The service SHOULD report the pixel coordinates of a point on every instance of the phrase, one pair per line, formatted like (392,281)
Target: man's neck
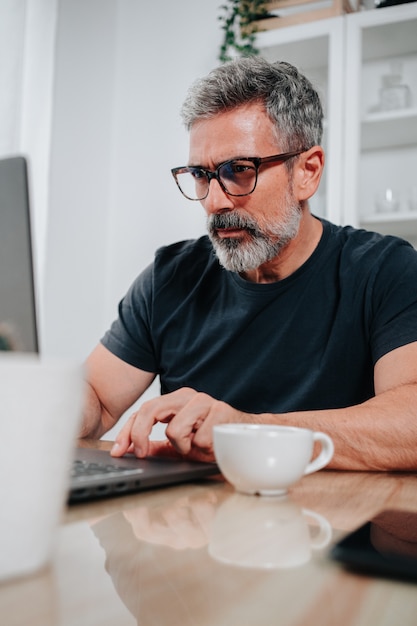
(293,256)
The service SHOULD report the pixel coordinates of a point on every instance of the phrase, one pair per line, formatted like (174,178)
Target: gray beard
(263,245)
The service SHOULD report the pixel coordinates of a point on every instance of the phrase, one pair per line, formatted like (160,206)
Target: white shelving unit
(315,49)
(368,150)
(380,146)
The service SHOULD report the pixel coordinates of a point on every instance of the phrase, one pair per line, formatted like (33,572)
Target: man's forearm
(380,434)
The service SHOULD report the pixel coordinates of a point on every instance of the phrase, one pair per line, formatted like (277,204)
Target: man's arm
(379,434)
(112,387)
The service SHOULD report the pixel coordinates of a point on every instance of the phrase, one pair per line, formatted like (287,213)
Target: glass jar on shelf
(394,93)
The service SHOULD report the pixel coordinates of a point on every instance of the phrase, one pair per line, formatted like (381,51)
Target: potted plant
(238,21)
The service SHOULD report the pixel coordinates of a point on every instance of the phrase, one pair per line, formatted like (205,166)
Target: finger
(167,450)
(219,413)
(181,430)
(161,409)
(192,427)
(134,436)
(202,440)
(163,448)
(123,442)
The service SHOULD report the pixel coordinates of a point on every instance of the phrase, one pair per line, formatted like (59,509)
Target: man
(275,317)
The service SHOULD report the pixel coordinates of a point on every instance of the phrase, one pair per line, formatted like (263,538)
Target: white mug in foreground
(40,411)
(268,459)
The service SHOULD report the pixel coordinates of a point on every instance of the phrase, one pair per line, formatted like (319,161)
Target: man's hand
(190,417)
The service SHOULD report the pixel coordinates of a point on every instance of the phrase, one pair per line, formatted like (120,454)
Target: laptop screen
(18,329)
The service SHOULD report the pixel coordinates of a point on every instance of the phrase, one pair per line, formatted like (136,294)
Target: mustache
(233,219)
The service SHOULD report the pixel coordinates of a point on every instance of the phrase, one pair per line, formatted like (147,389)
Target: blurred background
(91,92)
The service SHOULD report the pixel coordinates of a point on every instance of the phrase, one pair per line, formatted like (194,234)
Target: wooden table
(200,554)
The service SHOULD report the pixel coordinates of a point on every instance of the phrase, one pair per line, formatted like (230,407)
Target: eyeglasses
(237,177)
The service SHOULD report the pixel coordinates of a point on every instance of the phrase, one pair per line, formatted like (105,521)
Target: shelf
(403,224)
(386,129)
(298,52)
(366,149)
(294,12)
(390,39)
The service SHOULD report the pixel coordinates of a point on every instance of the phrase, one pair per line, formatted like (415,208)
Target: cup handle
(325,456)
(325,530)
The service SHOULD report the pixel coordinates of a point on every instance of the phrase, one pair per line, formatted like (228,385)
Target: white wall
(122,68)
(27,41)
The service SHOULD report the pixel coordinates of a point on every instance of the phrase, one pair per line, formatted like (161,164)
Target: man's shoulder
(185,249)
(185,261)
(359,244)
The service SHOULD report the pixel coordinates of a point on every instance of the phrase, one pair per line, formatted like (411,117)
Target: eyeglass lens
(237,177)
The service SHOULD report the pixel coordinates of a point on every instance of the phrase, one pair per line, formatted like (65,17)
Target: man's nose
(217,199)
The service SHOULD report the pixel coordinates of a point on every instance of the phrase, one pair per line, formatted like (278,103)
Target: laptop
(18,329)
(94,473)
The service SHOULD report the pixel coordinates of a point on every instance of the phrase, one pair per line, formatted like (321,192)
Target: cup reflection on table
(266,533)
(185,550)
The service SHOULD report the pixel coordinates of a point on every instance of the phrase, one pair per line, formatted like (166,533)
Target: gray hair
(287,95)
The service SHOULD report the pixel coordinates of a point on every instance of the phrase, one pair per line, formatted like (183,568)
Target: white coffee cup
(266,459)
(266,533)
(40,411)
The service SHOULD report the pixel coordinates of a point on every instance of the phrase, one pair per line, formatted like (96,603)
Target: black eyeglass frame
(257,161)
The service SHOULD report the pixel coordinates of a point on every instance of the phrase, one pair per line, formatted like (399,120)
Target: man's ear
(307,172)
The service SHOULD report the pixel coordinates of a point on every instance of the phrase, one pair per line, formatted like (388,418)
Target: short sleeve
(129,336)
(394,300)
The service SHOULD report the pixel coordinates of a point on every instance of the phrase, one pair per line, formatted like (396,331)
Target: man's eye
(239,166)
(237,170)
(197,174)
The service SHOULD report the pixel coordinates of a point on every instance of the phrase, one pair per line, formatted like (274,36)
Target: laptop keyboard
(84,469)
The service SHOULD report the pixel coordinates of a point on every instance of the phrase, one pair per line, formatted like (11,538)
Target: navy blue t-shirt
(307,342)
